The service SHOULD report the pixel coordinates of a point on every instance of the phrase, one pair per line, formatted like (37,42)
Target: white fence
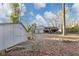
(11,34)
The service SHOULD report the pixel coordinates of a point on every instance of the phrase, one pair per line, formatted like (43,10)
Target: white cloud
(23,9)
(51,18)
(40,21)
(31,13)
(48,19)
(49,15)
(5,11)
(39,5)
(68,15)
(75,7)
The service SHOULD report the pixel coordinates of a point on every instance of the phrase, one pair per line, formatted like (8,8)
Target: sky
(41,13)
(35,11)
(44,13)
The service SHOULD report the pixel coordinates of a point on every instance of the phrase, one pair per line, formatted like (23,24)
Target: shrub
(73,29)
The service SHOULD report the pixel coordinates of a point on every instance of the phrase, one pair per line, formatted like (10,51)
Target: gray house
(11,34)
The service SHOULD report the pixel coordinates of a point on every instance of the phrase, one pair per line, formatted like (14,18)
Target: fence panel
(11,34)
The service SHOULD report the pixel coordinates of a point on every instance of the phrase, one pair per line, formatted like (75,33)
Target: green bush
(15,18)
(74,29)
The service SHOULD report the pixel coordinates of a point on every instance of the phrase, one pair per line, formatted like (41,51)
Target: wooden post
(64,22)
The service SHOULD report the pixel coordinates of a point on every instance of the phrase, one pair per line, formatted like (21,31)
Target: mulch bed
(50,48)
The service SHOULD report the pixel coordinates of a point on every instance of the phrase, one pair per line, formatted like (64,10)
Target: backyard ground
(52,46)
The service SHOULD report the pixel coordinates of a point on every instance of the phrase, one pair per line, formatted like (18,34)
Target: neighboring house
(11,34)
